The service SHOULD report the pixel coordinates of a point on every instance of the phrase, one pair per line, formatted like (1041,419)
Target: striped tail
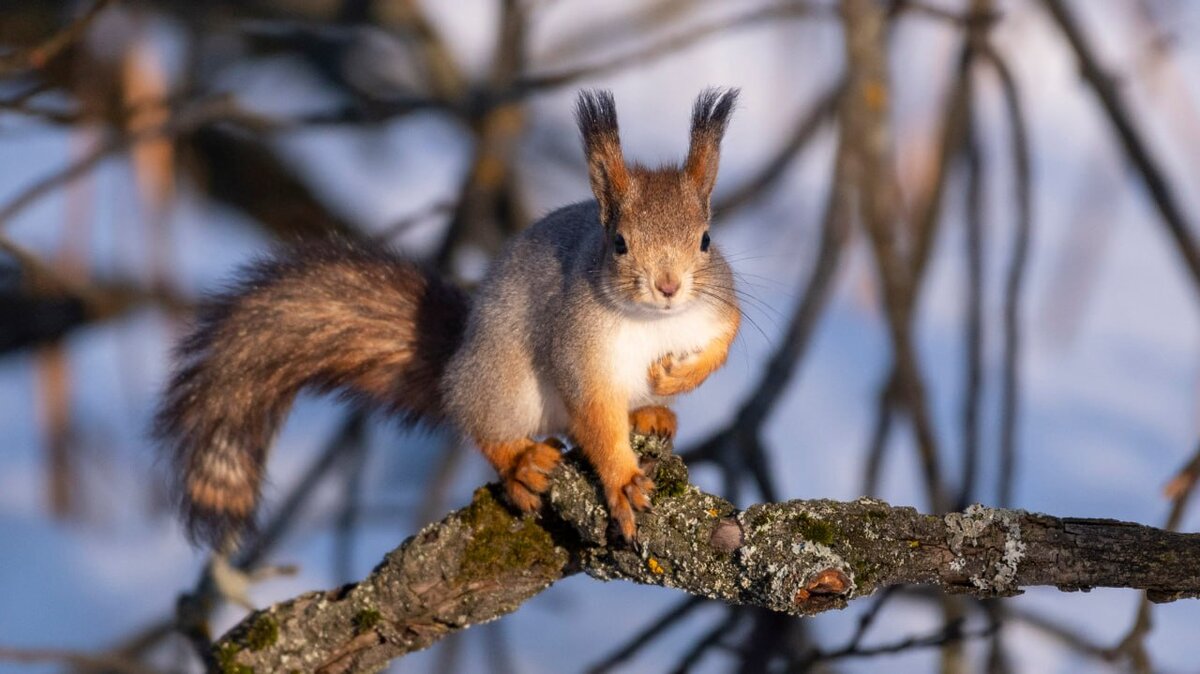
(334,316)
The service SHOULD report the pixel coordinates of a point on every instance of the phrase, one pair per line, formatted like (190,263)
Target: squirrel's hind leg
(524,467)
(601,426)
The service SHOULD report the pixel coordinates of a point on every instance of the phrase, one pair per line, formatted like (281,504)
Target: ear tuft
(596,114)
(710,117)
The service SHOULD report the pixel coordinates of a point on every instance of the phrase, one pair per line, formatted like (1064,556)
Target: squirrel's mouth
(657,306)
(675,303)
(670,305)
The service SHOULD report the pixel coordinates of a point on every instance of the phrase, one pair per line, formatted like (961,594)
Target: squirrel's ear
(710,116)
(596,114)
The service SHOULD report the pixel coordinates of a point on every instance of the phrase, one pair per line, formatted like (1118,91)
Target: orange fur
(601,427)
(653,420)
(524,467)
(209,495)
(700,163)
(673,374)
(613,164)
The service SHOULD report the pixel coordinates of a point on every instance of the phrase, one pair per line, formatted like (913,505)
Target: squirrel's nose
(667,284)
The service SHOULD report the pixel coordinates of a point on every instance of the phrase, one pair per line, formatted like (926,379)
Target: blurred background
(1011,318)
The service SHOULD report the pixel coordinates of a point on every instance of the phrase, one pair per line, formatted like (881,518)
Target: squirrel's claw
(653,420)
(529,475)
(622,502)
(673,374)
(637,492)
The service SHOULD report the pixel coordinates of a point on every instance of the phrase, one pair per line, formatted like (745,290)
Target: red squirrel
(587,325)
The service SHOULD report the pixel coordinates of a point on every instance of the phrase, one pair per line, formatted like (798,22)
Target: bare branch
(1015,275)
(772,170)
(796,557)
(186,119)
(741,438)
(865,122)
(43,53)
(646,636)
(83,662)
(1133,645)
(1131,140)
(794,9)
(972,402)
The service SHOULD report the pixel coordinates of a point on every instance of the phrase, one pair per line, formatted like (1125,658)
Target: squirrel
(587,325)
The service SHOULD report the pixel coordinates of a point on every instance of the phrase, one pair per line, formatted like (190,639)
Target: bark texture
(796,557)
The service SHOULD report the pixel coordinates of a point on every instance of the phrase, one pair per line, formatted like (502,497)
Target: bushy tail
(333,316)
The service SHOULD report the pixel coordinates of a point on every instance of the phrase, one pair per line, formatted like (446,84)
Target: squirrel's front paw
(529,475)
(633,494)
(673,374)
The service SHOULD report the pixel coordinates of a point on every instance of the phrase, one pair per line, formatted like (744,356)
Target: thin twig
(38,56)
(443,73)
(285,515)
(645,637)
(189,118)
(975,18)
(767,638)
(599,32)
(928,212)
(793,9)
(1134,145)
(881,433)
(1015,275)
(867,619)
(950,634)
(740,438)
(1076,641)
(1133,644)
(707,641)
(973,324)
(773,169)
(402,225)
(87,662)
(451,456)
(347,520)
(488,192)
(865,123)
(1185,480)
(134,647)
(927,218)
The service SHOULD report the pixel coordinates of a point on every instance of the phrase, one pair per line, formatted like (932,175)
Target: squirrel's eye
(619,245)
(705,242)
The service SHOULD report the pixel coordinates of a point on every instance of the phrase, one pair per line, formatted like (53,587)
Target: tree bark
(796,557)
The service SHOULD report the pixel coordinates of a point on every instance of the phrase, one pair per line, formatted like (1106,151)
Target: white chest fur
(639,342)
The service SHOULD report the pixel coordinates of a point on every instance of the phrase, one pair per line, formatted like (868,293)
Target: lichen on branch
(798,557)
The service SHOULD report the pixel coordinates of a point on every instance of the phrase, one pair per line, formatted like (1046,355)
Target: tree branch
(771,14)
(796,557)
(41,54)
(1136,148)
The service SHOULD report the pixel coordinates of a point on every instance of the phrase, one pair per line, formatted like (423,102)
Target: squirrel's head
(658,251)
